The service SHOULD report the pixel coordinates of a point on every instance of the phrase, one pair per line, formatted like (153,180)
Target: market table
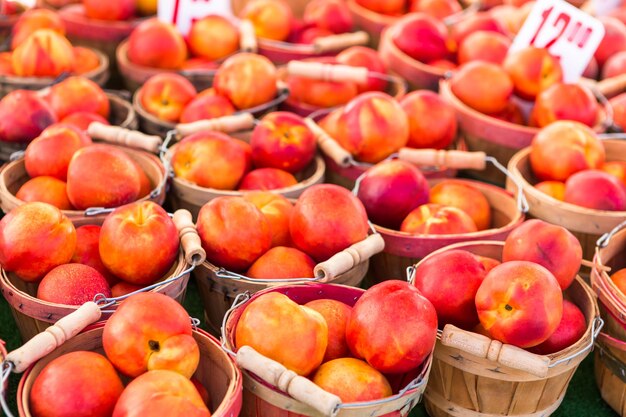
(582,399)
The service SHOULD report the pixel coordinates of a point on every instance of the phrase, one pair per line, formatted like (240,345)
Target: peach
(206,107)
(271,18)
(201,390)
(199,64)
(432,121)
(372,127)
(213,37)
(124,288)
(157,44)
(520,303)
(332,15)
(264,179)
(593,69)
(596,190)
(385,7)
(614,39)
(571,328)
(512,114)
(6,63)
(327,219)
(82,120)
(146,7)
(211,159)
(437,219)
(555,189)
(87,251)
(325,94)
(46,190)
(248,80)
(45,53)
(507,16)
(34,239)
(50,153)
(450,280)
(464,196)
(277,210)
(618,103)
(67,386)
(282,140)
(85,60)
(165,95)
(72,284)
(150,331)
(32,20)
(27,124)
(160,392)
(487,262)
(565,102)
(444,64)
(373,332)
(619,279)
(275,326)
(145,185)
(482,86)
(282,262)
(352,380)
(481,21)
(336,315)
(532,70)
(310,34)
(484,46)
(138,242)
(439,9)
(617,169)
(78,94)
(102,176)
(234,233)
(110,9)
(576,145)
(548,245)
(362,56)
(390,190)
(614,65)
(422,37)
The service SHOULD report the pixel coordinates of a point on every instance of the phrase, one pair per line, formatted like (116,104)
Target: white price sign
(565,31)
(182,13)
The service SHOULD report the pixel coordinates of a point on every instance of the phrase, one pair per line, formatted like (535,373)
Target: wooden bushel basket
(121,114)
(586,224)
(497,137)
(10,83)
(465,381)
(404,249)
(33,315)
(262,397)
(610,357)
(219,288)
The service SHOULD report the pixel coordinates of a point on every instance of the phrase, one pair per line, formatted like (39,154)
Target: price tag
(604,7)
(182,13)
(565,31)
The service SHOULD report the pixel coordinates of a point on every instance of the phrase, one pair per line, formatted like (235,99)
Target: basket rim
(75,14)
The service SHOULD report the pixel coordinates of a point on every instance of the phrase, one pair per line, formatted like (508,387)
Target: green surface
(582,398)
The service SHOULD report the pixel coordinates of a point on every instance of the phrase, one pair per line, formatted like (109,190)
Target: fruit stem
(154,345)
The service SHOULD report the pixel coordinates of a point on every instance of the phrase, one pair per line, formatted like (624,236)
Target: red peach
(332,15)
(157,44)
(618,103)
(6,63)
(277,210)
(336,315)
(265,179)
(124,288)
(437,219)
(482,86)
(484,46)
(571,329)
(596,190)
(617,169)
(512,114)
(72,284)
(439,9)
(206,107)
(487,262)
(82,120)
(422,37)
(615,65)
(614,39)
(481,21)
(325,94)
(87,251)
(32,20)
(27,124)
(593,69)
(282,262)
(385,7)
(352,380)
(165,95)
(310,34)
(110,9)
(532,70)
(271,18)
(464,196)
(565,102)
(85,60)
(213,37)
(45,190)
(362,56)
(78,94)
(200,64)
(432,121)
(555,189)
(45,53)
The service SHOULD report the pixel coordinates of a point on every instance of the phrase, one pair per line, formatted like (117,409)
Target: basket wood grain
(462,384)
(586,224)
(216,371)
(8,83)
(403,249)
(13,175)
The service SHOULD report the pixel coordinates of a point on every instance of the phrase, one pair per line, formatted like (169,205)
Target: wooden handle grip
(247,37)
(126,137)
(450,159)
(484,347)
(340,42)
(612,86)
(349,257)
(328,145)
(298,387)
(54,336)
(189,238)
(327,72)
(225,124)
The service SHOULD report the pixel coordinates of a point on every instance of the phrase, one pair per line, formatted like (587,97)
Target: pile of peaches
(281,147)
(264,235)
(518,301)
(351,351)
(39,48)
(136,245)
(396,195)
(148,365)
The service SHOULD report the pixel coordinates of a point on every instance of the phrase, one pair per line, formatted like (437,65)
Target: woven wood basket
(517,382)
(262,398)
(586,224)
(610,357)
(216,371)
